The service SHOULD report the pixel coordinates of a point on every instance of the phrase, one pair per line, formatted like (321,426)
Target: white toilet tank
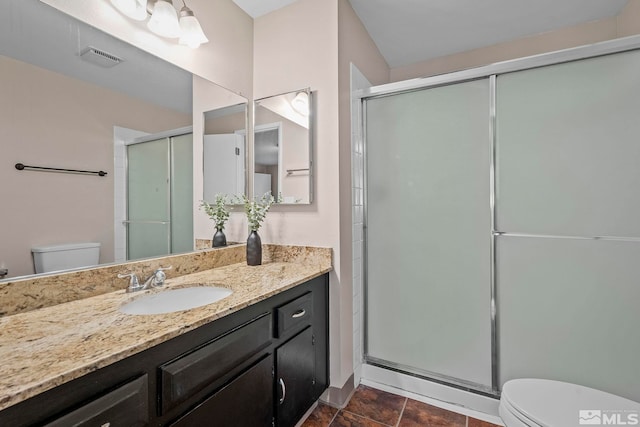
(64,257)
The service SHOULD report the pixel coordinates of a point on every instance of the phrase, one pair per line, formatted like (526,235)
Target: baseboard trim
(338,397)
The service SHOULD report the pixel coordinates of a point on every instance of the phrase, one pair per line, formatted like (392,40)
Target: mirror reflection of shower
(159,195)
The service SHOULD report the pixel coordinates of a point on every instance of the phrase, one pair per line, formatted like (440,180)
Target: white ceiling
(255,8)
(410,31)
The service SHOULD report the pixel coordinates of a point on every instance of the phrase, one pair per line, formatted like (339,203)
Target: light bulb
(191,31)
(301,103)
(164,20)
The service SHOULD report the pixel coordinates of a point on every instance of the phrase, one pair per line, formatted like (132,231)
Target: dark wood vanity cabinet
(264,365)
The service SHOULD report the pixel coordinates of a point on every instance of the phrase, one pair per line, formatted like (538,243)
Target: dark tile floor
(370,407)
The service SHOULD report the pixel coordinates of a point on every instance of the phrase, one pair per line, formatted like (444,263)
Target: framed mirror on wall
(283,147)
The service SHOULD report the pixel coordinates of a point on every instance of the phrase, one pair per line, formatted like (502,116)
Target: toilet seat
(546,403)
(514,418)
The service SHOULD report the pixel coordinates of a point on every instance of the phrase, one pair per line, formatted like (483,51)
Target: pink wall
(628,20)
(354,46)
(295,155)
(47,119)
(625,24)
(227,124)
(297,47)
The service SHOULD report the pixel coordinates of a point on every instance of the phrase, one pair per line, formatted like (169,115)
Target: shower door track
(432,376)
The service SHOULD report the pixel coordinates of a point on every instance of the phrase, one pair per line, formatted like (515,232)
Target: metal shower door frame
(491,72)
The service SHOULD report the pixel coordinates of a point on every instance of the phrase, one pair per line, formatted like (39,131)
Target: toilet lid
(553,403)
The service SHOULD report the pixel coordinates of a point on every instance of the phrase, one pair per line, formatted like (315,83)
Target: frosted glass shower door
(148,210)
(428,236)
(568,311)
(568,210)
(568,149)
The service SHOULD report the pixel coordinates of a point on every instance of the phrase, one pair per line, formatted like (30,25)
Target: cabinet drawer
(213,363)
(295,315)
(127,405)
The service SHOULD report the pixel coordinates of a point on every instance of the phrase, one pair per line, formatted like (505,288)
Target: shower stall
(502,222)
(159,195)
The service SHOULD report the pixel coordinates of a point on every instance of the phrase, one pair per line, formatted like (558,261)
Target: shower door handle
(127,222)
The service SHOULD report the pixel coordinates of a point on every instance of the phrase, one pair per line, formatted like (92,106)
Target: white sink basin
(173,300)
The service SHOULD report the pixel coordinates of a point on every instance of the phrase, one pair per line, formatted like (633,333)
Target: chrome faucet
(155,280)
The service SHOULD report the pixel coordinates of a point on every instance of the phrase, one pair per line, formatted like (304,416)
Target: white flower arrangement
(218,212)
(256,210)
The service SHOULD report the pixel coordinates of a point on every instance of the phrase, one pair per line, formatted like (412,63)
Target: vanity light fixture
(164,19)
(191,33)
(300,103)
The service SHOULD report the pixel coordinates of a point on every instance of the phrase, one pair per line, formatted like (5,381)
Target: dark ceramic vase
(219,239)
(254,249)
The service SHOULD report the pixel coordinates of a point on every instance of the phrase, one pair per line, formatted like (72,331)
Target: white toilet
(546,403)
(63,257)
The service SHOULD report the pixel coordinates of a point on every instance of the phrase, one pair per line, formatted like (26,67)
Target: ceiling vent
(99,57)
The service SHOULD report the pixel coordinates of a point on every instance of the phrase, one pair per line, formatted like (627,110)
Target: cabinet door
(295,368)
(245,401)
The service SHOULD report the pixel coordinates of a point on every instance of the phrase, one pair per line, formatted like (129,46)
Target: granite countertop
(44,348)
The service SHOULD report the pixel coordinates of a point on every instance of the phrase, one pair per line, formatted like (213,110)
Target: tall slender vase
(254,249)
(219,239)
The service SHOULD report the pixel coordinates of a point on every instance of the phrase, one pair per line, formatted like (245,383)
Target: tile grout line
(367,418)
(406,399)
(334,417)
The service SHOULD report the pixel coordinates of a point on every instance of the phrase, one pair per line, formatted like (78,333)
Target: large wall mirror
(283,164)
(74,97)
